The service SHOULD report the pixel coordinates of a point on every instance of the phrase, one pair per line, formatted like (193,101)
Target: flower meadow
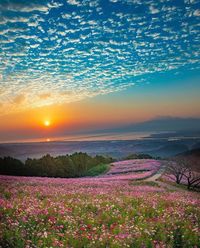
(104,211)
(133,166)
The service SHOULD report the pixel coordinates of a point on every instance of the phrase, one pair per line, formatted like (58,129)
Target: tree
(183,170)
(191,174)
(175,170)
(138,156)
(11,166)
(193,179)
(74,165)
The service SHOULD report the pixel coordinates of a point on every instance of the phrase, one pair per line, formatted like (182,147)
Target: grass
(97,170)
(179,186)
(145,183)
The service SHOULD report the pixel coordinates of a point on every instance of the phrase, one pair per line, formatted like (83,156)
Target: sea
(116,145)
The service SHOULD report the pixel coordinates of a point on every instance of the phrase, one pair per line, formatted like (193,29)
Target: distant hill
(168,124)
(169,150)
(193,152)
(196,146)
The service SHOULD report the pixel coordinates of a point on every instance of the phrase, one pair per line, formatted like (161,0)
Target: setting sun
(47,123)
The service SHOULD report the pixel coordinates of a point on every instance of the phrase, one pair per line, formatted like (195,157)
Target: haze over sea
(118,145)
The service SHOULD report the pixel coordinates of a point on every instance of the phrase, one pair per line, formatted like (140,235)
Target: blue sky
(55,52)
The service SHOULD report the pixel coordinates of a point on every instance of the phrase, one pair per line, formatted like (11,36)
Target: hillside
(193,152)
(168,150)
(193,157)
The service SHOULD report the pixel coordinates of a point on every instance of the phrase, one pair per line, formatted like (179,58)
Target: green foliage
(7,195)
(97,170)
(74,165)
(145,183)
(11,166)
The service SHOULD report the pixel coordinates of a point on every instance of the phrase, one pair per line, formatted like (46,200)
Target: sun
(47,123)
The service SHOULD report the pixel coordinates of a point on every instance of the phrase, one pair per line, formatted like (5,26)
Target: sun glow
(47,123)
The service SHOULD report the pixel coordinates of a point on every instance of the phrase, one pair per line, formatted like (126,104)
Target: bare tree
(175,170)
(193,179)
(191,175)
(184,170)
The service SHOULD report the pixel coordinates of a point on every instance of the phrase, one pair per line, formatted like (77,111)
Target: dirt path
(158,174)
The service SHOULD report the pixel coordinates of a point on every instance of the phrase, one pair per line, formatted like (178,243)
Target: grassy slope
(98,170)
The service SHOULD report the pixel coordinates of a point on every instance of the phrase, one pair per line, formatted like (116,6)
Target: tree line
(138,156)
(74,165)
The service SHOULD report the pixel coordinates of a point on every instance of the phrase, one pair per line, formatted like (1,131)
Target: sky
(94,64)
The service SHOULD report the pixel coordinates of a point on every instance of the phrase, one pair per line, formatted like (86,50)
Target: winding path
(155,177)
(158,174)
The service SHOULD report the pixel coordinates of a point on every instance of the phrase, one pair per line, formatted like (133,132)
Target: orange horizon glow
(56,121)
(89,114)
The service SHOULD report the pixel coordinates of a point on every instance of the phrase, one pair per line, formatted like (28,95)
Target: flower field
(105,211)
(134,166)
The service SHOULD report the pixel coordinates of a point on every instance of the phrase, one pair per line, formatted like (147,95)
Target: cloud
(2,91)
(66,16)
(14,19)
(44,95)
(196,12)
(28,7)
(54,5)
(23,8)
(19,99)
(153,10)
(74,2)
(66,93)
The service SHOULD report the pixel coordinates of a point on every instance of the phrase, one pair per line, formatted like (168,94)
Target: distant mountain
(168,124)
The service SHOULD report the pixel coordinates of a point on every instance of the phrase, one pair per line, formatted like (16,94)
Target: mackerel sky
(62,51)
